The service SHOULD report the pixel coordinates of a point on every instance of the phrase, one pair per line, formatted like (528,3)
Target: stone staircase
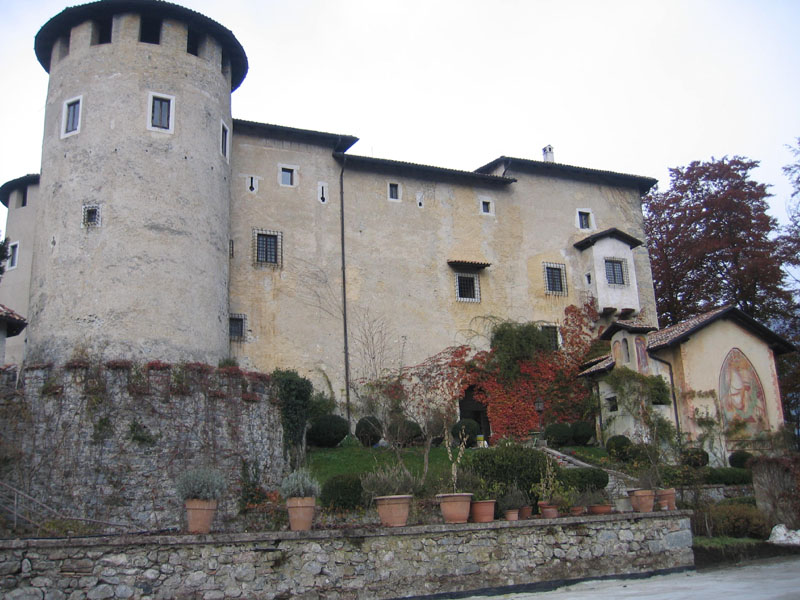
(618,482)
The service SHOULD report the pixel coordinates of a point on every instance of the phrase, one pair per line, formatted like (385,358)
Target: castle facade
(162,227)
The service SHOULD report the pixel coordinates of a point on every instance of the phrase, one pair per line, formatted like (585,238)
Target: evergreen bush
(327,431)
(558,434)
(468,429)
(694,457)
(403,432)
(507,463)
(739,520)
(342,492)
(581,432)
(738,459)
(618,447)
(585,479)
(727,476)
(369,431)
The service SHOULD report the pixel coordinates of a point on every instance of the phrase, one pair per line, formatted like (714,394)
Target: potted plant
(546,490)
(455,504)
(484,500)
(643,497)
(391,488)
(200,489)
(300,490)
(596,502)
(510,503)
(666,498)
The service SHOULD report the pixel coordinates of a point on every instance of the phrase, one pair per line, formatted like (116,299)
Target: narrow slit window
(193,42)
(394,191)
(150,30)
(252,184)
(223,143)
(13,256)
(230,248)
(72,117)
(23,198)
(322,192)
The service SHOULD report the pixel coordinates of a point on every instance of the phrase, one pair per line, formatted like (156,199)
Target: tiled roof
(612,233)
(10,186)
(424,171)
(598,365)
(339,142)
(14,323)
(632,325)
(470,264)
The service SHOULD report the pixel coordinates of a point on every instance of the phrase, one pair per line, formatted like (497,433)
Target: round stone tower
(131,243)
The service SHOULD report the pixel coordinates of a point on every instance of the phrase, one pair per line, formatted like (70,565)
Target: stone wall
(346,564)
(107,442)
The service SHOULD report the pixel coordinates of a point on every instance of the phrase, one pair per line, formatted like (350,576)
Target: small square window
(287,176)
(71,117)
(552,336)
(223,140)
(13,256)
(468,287)
(584,220)
(612,404)
(555,279)
(91,216)
(267,248)
(616,271)
(486,207)
(394,191)
(236,327)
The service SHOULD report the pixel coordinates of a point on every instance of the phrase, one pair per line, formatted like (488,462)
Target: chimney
(547,154)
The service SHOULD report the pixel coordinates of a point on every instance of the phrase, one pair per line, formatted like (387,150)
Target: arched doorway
(469,408)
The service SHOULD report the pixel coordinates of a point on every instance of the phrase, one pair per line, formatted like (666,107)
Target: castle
(162,227)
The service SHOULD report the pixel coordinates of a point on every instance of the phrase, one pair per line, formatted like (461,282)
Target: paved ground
(772,579)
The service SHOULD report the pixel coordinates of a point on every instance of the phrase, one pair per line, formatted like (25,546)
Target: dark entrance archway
(469,408)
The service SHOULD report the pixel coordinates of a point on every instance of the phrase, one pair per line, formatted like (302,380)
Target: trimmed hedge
(581,432)
(327,431)
(586,479)
(343,492)
(403,432)
(508,463)
(739,520)
(727,475)
(694,457)
(467,427)
(558,434)
(738,459)
(618,447)
(369,431)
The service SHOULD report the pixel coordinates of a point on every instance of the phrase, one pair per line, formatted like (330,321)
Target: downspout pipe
(672,387)
(344,295)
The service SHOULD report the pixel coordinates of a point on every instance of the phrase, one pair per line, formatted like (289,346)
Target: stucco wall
(348,564)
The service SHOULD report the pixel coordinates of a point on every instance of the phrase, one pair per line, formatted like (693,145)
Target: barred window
(616,271)
(468,287)
(267,248)
(555,279)
(91,215)
(236,327)
(552,335)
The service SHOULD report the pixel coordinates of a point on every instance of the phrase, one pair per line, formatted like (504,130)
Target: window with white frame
(91,215)
(555,278)
(485,206)
(161,113)
(267,248)
(616,271)
(237,327)
(287,175)
(394,191)
(584,219)
(71,117)
(468,288)
(13,256)
(223,140)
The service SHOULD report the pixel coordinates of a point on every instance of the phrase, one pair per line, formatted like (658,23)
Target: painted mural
(641,354)
(741,394)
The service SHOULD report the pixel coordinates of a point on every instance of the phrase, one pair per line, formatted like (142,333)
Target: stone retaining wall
(346,564)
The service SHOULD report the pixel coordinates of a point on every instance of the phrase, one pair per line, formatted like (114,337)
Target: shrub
(694,457)
(327,431)
(320,404)
(745,500)
(468,429)
(588,479)
(343,492)
(201,483)
(299,484)
(558,434)
(581,432)
(513,499)
(776,482)
(738,458)
(294,395)
(680,476)
(739,520)
(350,441)
(507,463)
(391,480)
(403,432)
(727,476)
(618,447)
(369,431)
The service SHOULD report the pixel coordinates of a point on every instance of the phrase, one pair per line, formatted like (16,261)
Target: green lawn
(590,454)
(722,541)
(327,462)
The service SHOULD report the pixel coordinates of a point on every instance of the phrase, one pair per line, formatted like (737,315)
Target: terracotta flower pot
(642,500)
(525,512)
(301,513)
(666,499)
(549,511)
(455,507)
(393,510)
(512,514)
(577,511)
(599,509)
(200,514)
(482,511)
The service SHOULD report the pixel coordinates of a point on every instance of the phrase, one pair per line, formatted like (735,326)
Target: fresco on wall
(641,354)
(741,394)
(616,352)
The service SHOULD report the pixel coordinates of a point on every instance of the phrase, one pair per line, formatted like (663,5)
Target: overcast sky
(630,86)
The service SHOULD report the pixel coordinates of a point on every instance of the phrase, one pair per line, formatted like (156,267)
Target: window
(612,404)
(71,117)
(101,31)
(23,197)
(394,192)
(236,328)
(551,331)
(223,140)
(193,42)
(162,108)
(584,220)
(485,205)
(91,216)
(555,279)
(267,248)
(468,287)
(13,256)
(287,175)
(626,351)
(616,271)
(150,30)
